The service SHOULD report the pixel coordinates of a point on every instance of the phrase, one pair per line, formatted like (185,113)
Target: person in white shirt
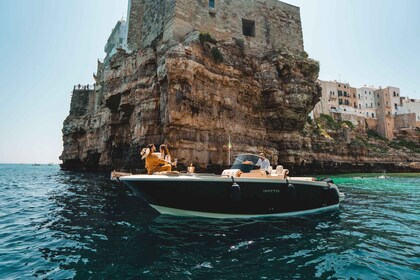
(165,155)
(263,163)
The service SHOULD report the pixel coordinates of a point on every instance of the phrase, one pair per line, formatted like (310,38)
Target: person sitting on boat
(263,163)
(165,155)
(153,162)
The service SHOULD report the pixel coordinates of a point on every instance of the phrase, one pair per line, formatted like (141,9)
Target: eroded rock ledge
(194,96)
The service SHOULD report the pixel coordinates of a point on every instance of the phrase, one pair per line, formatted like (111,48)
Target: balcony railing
(84,87)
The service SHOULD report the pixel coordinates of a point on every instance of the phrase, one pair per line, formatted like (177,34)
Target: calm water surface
(62,225)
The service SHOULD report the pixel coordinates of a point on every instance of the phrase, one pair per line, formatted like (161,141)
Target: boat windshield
(245,162)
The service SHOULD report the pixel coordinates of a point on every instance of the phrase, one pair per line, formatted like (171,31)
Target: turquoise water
(61,225)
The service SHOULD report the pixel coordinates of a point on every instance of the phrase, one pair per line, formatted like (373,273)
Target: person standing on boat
(263,163)
(153,162)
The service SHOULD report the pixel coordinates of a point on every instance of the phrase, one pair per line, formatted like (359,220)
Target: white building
(117,40)
(395,100)
(410,106)
(366,102)
(329,98)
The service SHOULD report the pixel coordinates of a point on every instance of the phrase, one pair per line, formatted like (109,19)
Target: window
(395,94)
(340,93)
(360,106)
(248,27)
(373,115)
(379,104)
(359,96)
(211,3)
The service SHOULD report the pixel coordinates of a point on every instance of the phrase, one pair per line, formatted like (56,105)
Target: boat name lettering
(271,191)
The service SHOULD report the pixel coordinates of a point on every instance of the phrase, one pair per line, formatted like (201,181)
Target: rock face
(185,96)
(252,83)
(195,95)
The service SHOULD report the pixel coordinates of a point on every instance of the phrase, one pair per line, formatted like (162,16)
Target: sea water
(62,225)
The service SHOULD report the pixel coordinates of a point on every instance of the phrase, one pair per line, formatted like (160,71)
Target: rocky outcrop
(194,96)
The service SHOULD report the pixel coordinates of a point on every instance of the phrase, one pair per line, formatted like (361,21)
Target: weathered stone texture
(153,21)
(135,21)
(180,96)
(81,101)
(277,24)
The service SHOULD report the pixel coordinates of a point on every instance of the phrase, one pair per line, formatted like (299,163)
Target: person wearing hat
(153,162)
(263,163)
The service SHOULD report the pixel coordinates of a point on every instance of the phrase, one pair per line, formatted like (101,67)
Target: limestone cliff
(194,95)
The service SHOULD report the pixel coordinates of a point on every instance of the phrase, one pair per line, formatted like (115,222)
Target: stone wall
(153,21)
(372,124)
(135,22)
(81,102)
(405,121)
(277,25)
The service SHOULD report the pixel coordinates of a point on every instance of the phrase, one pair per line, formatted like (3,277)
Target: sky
(47,46)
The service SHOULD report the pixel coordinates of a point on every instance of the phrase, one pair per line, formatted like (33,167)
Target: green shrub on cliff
(403,143)
(217,55)
(309,120)
(206,37)
(329,123)
(314,68)
(303,54)
(358,143)
(348,123)
(373,134)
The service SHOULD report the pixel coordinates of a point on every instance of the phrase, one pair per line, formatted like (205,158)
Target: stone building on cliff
(382,110)
(266,24)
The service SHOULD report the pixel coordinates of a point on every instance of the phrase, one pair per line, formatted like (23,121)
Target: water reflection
(92,227)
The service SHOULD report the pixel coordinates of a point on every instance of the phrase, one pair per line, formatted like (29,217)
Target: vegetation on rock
(206,37)
(217,55)
(326,121)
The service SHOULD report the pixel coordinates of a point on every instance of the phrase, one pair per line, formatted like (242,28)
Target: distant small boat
(36,164)
(382,177)
(50,164)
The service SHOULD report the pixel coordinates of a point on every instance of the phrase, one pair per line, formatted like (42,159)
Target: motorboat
(239,192)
